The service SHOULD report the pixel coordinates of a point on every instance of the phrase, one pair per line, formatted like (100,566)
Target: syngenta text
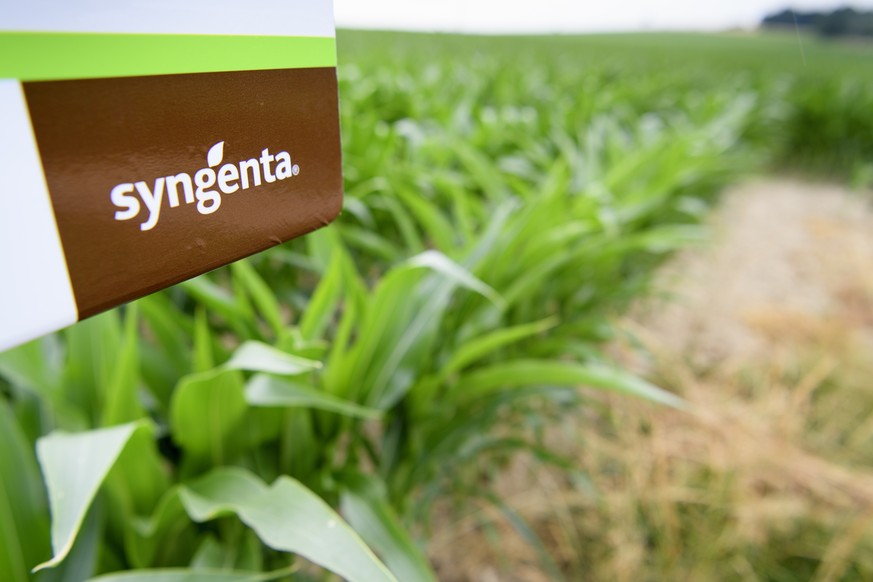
(206,186)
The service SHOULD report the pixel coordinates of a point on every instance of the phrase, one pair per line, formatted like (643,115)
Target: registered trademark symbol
(295,169)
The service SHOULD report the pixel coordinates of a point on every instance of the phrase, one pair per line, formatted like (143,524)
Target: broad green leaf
(139,477)
(319,246)
(168,357)
(405,224)
(370,367)
(74,466)
(661,239)
(122,401)
(83,560)
(323,303)
(287,517)
(456,273)
(358,209)
(255,356)
(218,300)
(260,293)
(168,536)
(205,413)
(264,390)
(24,518)
(211,555)
(481,346)
(33,366)
(241,555)
(372,243)
(429,215)
(179,575)
(299,443)
(93,348)
(521,373)
(480,168)
(364,503)
(249,555)
(401,325)
(204,359)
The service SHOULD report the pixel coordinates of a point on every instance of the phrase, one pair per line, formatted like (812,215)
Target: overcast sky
(563,15)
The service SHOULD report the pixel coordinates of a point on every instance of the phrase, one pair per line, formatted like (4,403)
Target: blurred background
(599,307)
(764,325)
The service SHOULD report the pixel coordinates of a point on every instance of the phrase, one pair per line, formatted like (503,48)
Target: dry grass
(768,475)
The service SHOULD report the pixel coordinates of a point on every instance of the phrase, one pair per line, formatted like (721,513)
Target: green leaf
(74,467)
(205,412)
(260,293)
(24,519)
(456,273)
(218,300)
(264,390)
(167,357)
(255,356)
(287,517)
(323,303)
(400,327)
(167,537)
(83,560)
(364,503)
(442,232)
(122,401)
(139,478)
(232,554)
(204,359)
(542,372)
(30,365)
(481,346)
(371,243)
(211,555)
(178,575)
(405,224)
(93,348)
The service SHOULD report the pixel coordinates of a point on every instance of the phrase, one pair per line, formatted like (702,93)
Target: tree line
(841,22)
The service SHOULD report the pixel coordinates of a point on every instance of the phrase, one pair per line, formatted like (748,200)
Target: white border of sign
(249,17)
(36,296)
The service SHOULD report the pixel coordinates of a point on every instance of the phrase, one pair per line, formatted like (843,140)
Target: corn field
(298,415)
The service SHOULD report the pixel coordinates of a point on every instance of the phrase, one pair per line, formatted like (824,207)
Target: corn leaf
(24,519)
(364,503)
(287,517)
(488,343)
(179,575)
(260,293)
(74,466)
(205,412)
(264,390)
(522,373)
(122,401)
(255,356)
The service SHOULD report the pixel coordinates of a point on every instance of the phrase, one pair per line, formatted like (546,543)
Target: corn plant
(302,412)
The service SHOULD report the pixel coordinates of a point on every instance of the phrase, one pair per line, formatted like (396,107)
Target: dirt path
(788,261)
(767,332)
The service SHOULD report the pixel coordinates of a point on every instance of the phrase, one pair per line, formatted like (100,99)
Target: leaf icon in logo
(215,155)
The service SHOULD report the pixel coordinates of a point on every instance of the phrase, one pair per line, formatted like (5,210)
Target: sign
(145,143)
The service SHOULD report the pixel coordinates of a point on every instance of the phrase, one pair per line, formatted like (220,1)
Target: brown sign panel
(156,179)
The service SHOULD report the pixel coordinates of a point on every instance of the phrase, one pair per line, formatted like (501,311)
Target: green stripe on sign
(41,56)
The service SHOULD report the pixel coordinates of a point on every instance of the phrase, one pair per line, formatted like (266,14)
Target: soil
(788,260)
(788,271)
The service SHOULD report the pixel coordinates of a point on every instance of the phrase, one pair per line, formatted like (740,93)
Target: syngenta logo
(206,187)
